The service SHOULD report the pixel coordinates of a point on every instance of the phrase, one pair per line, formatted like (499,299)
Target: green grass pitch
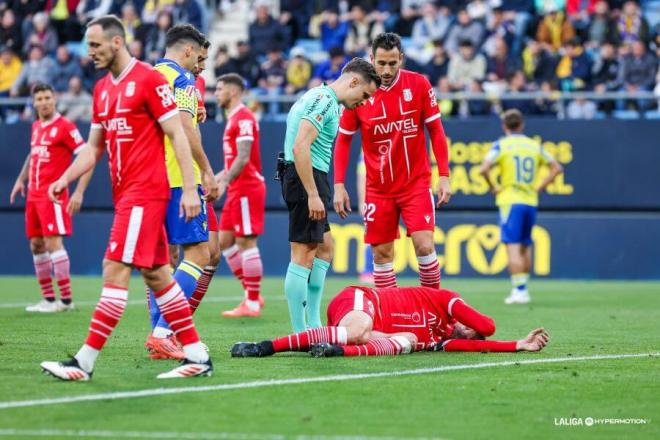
(506,400)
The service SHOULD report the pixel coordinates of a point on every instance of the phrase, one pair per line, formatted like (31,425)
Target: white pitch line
(187,435)
(304,380)
(143,302)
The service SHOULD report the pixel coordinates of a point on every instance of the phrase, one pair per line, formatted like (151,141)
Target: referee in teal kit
(311,127)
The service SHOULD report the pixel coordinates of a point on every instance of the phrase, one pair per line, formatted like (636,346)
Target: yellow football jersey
(518,158)
(182,83)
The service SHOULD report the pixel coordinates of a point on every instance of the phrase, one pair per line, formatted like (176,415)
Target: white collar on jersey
(124,72)
(55,117)
(233,112)
(396,80)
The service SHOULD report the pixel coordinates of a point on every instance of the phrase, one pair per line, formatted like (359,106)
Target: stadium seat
(313,49)
(626,114)
(652,114)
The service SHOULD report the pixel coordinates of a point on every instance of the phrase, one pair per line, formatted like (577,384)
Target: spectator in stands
(637,72)
(602,28)
(501,25)
(631,25)
(88,10)
(245,64)
(90,74)
(431,26)
(333,30)
(330,69)
(581,108)
(10,69)
(151,9)
(466,66)
(63,18)
(479,10)
(579,13)
(447,106)
(545,6)
(554,29)
(10,32)
(298,71)
(37,69)
(273,70)
(41,33)
(136,49)
(518,84)
(606,75)
(502,64)
(155,40)
(539,64)
(295,16)
(66,67)
(522,11)
(464,29)
(574,68)
(547,106)
(362,30)
(132,24)
(411,10)
(477,107)
(76,103)
(223,63)
(265,31)
(439,64)
(188,11)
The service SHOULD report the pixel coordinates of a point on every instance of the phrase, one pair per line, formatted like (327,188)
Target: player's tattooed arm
(19,186)
(224,178)
(198,154)
(83,163)
(302,159)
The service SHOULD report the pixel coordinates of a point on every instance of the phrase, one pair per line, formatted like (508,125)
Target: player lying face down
(373,322)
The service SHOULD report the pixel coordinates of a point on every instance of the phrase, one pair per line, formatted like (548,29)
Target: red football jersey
(417,310)
(128,109)
(242,126)
(391,123)
(200,85)
(52,147)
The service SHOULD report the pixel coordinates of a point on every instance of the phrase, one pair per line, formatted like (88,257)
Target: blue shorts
(178,230)
(516,223)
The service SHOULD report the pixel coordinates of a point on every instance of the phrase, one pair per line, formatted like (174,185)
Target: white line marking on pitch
(303,380)
(187,435)
(143,302)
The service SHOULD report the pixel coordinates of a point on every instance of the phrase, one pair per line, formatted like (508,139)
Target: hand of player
(443,191)
(19,188)
(535,341)
(342,201)
(75,202)
(210,187)
(56,188)
(221,180)
(190,205)
(496,190)
(201,114)
(316,208)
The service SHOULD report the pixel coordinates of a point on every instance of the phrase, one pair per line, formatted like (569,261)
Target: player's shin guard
(176,311)
(315,292)
(62,269)
(301,341)
(429,271)
(253,271)
(42,269)
(519,281)
(295,290)
(380,347)
(202,287)
(384,275)
(186,276)
(106,316)
(235,262)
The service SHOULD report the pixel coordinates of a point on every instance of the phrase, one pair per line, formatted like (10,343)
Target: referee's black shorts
(301,228)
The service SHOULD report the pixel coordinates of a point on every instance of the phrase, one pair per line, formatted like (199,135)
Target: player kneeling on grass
(365,322)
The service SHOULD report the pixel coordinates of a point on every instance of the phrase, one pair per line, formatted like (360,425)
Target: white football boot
(518,297)
(43,306)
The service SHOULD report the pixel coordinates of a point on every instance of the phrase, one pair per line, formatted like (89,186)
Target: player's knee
(423,249)
(37,246)
(383,254)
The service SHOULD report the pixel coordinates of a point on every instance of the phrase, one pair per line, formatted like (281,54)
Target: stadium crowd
(480,46)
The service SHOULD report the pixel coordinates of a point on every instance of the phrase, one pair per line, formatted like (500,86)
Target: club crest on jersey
(407,95)
(53,132)
(130,89)
(427,218)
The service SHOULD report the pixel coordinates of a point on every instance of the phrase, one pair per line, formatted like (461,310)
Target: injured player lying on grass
(363,321)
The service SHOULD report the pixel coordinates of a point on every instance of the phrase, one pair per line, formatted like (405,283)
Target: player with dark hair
(242,218)
(184,45)
(365,321)
(519,159)
(311,128)
(397,163)
(133,107)
(54,142)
